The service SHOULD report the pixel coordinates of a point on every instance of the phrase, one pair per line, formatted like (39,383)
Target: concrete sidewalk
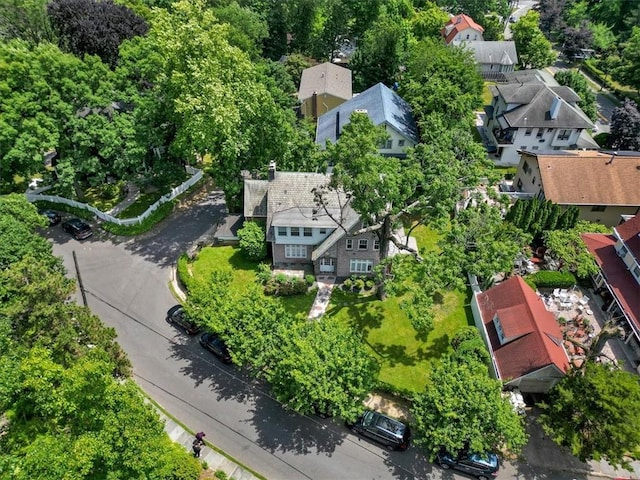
(214,460)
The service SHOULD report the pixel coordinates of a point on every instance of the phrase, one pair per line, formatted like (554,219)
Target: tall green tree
(534,50)
(322,367)
(589,412)
(578,83)
(26,20)
(462,407)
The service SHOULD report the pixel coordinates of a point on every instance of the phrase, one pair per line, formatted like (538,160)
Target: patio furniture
(566,305)
(584,300)
(589,312)
(556,292)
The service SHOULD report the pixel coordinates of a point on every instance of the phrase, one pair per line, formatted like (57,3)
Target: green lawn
(404,356)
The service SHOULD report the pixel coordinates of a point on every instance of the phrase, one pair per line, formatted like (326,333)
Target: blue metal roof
(382,104)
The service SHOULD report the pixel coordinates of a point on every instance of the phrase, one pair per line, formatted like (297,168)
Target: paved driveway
(126,284)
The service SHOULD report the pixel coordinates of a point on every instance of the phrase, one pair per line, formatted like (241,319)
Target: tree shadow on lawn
(350,308)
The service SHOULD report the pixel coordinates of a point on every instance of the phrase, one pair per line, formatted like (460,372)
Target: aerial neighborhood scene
(319,239)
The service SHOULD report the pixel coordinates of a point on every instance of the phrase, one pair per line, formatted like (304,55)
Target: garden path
(325,287)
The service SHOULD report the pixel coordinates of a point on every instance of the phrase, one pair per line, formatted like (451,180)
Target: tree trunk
(385,234)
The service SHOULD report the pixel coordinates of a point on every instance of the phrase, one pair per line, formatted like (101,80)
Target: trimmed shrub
(552,279)
(252,241)
(310,279)
(263,273)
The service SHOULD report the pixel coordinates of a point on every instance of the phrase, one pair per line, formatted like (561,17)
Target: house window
(282,231)
(564,134)
(520,184)
(307,232)
(386,145)
(376,244)
(526,167)
(598,208)
(295,231)
(549,130)
(323,231)
(528,132)
(401,143)
(540,132)
(295,251)
(358,265)
(535,147)
(636,272)
(363,244)
(533,181)
(349,244)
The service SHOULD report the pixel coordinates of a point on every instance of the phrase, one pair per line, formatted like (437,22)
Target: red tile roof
(620,280)
(457,24)
(523,315)
(629,231)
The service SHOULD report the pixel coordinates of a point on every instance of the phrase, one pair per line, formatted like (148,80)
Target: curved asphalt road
(126,284)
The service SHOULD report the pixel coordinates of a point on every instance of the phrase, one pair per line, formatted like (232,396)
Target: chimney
(337,125)
(272,171)
(314,105)
(555,108)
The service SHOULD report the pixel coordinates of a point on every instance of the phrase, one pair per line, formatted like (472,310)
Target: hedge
(552,279)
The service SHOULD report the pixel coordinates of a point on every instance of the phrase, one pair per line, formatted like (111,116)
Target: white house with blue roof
(383,107)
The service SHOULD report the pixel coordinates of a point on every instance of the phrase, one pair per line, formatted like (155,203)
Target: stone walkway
(133,192)
(325,287)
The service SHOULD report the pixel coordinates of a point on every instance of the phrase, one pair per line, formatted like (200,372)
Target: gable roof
(494,52)
(539,105)
(325,78)
(589,178)
(619,278)
(383,106)
(533,336)
(629,232)
(457,24)
(255,198)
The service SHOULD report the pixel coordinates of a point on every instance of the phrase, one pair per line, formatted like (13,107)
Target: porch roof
(619,279)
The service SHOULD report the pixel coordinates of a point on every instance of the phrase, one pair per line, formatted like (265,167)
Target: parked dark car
(481,466)
(215,345)
(53,216)
(391,433)
(178,316)
(77,228)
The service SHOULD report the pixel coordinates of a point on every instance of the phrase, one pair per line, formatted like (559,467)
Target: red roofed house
(461,28)
(618,257)
(523,337)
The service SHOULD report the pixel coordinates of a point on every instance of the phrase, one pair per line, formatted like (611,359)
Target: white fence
(196,175)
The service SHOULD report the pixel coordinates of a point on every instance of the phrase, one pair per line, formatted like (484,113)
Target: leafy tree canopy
(94,27)
(252,241)
(534,50)
(591,412)
(578,83)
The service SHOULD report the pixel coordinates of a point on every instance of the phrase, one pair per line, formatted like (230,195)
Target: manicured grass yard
(211,259)
(404,356)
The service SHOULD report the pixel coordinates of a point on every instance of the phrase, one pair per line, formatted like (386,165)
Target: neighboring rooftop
(457,24)
(531,335)
(540,105)
(496,53)
(325,78)
(629,232)
(381,104)
(619,279)
(590,177)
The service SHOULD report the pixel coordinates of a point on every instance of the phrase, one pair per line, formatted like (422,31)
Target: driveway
(126,283)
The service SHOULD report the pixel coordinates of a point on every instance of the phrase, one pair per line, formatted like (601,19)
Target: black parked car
(53,216)
(215,345)
(483,466)
(391,433)
(77,228)
(177,316)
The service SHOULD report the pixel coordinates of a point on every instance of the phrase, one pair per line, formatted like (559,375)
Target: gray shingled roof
(496,53)
(536,101)
(325,78)
(383,106)
(255,198)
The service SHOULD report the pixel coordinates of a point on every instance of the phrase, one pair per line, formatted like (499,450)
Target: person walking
(197,447)
(200,436)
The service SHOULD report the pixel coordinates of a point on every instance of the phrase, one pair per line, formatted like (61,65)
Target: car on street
(77,228)
(481,466)
(178,317)
(215,345)
(387,431)
(53,216)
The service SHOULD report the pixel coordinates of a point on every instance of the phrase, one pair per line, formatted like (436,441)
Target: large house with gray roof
(494,58)
(303,234)
(384,107)
(535,117)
